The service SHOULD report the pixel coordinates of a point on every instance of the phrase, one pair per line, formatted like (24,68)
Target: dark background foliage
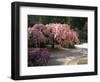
(79,24)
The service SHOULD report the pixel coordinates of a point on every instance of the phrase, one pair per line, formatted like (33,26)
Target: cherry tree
(36,35)
(53,33)
(62,34)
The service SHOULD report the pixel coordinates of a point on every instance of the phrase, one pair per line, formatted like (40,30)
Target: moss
(54,49)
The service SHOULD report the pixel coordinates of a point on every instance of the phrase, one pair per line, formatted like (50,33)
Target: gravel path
(68,57)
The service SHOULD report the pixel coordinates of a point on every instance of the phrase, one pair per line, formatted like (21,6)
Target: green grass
(54,49)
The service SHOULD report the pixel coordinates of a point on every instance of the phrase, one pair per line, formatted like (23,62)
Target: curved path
(68,57)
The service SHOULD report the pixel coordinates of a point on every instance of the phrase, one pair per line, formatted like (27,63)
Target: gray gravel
(68,57)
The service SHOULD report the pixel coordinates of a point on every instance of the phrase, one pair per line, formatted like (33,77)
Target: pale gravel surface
(68,57)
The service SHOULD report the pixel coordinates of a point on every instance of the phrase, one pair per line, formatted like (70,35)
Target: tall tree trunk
(40,19)
(69,19)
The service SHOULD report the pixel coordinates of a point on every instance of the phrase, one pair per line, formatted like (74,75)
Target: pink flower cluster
(36,34)
(60,33)
(63,34)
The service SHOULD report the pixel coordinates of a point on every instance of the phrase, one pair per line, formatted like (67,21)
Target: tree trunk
(53,45)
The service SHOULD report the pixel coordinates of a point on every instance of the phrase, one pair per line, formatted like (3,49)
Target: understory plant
(38,56)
